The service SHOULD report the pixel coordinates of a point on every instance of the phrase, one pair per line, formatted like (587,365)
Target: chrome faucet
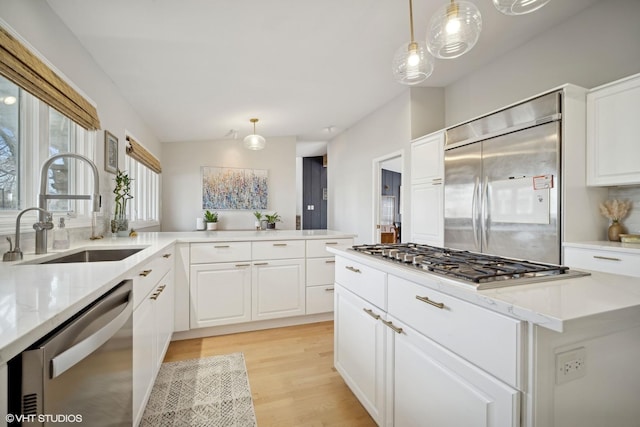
(41,235)
(15,253)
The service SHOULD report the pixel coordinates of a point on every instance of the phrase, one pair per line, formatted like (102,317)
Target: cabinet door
(278,289)
(434,387)
(612,133)
(144,355)
(164,314)
(220,294)
(359,349)
(427,158)
(427,214)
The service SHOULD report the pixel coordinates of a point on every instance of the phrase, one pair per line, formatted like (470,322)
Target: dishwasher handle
(75,354)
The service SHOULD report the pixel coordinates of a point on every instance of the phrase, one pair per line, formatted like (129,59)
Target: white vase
(212,226)
(258,225)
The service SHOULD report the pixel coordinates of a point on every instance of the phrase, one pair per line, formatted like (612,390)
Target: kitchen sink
(89,255)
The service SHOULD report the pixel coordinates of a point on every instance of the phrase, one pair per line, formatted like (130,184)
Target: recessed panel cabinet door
(278,288)
(220,294)
(434,387)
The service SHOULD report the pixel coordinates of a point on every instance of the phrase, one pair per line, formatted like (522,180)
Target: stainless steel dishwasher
(81,373)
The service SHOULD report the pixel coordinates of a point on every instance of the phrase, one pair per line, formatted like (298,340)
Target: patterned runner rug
(212,392)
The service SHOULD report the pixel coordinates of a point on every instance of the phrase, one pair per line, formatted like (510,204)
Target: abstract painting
(231,188)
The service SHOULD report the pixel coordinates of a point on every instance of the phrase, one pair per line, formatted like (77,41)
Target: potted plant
(122,190)
(211,218)
(272,219)
(258,222)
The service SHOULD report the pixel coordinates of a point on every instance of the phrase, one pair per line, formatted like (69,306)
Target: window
(31,132)
(144,208)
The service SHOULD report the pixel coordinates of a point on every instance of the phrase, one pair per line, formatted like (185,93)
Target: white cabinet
(320,271)
(612,133)
(427,192)
(278,288)
(434,387)
(220,294)
(611,260)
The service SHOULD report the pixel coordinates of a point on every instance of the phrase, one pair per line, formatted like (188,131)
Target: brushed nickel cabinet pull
(606,258)
(331,243)
(145,273)
(355,270)
(428,301)
(166,255)
(161,287)
(328,289)
(392,326)
(260,263)
(371,313)
(330,261)
(154,296)
(221,246)
(243,265)
(436,183)
(279,244)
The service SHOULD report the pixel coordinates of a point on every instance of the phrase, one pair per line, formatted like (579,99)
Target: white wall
(598,45)
(182,185)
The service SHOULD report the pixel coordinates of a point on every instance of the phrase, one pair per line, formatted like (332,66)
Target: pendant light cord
(411,19)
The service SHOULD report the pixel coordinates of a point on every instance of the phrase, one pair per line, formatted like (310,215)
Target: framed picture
(110,152)
(231,188)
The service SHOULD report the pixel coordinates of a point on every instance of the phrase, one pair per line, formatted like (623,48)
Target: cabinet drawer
(147,276)
(366,282)
(220,252)
(627,264)
(485,338)
(321,271)
(318,248)
(320,299)
(278,249)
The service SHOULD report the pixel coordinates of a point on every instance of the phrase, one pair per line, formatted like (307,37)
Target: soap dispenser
(61,236)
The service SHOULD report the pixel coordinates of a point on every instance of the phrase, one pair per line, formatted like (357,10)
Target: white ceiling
(196,69)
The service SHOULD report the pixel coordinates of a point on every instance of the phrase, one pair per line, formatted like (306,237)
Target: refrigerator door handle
(474,213)
(485,213)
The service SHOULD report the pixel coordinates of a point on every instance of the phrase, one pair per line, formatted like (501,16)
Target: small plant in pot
(122,190)
(272,219)
(258,223)
(211,218)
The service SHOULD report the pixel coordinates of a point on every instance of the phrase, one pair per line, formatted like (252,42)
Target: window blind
(21,66)
(141,154)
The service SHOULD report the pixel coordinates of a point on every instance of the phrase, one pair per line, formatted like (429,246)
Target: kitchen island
(413,346)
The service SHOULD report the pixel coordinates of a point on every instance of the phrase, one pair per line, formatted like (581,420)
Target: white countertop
(606,245)
(552,304)
(34,299)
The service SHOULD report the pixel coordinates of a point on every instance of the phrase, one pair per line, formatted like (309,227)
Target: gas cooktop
(482,271)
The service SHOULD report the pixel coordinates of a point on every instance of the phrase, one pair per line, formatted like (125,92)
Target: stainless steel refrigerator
(502,181)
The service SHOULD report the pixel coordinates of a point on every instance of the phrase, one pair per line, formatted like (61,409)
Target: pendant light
(518,7)
(411,63)
(254,141)
(454,29)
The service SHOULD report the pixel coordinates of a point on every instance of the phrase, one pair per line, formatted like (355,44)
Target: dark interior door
(314,198)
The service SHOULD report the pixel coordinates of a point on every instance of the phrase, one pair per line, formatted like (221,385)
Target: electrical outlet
(571,365)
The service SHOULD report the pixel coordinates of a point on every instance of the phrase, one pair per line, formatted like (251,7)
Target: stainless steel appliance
(81,373)
(481,271)
(502,181)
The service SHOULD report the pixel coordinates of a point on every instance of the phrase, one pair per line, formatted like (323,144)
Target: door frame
(377,188)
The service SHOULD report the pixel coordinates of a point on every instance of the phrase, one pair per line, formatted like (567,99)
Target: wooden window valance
(21,66)
(141,154)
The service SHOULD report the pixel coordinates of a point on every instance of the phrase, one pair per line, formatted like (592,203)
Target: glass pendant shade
(254,141)
(412,64)
(518,7)
(454,30)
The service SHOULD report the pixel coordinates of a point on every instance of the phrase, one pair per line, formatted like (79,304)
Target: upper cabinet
(427,158)
(613,133)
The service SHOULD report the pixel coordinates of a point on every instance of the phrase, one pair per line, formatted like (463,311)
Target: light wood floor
(291,374)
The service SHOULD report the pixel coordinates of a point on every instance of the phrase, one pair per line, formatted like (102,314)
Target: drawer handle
(392,326)
(279,244)
(166,256)
(221,246)
(436,183)
(260,263)
(331,243)
(161,288)
(328,289)
(330,261)
(155,295)
(437,179)
(428,301)
(145,273)
(355,270)
(606,258)
(243,265)
(371,313)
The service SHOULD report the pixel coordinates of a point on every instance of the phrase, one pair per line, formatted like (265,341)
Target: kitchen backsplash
(632,221)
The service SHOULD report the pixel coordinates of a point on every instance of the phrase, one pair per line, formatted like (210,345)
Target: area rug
(212,392)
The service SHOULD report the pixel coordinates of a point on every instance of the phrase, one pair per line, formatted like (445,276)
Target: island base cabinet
(434,387)
(359,343)
(278,289)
